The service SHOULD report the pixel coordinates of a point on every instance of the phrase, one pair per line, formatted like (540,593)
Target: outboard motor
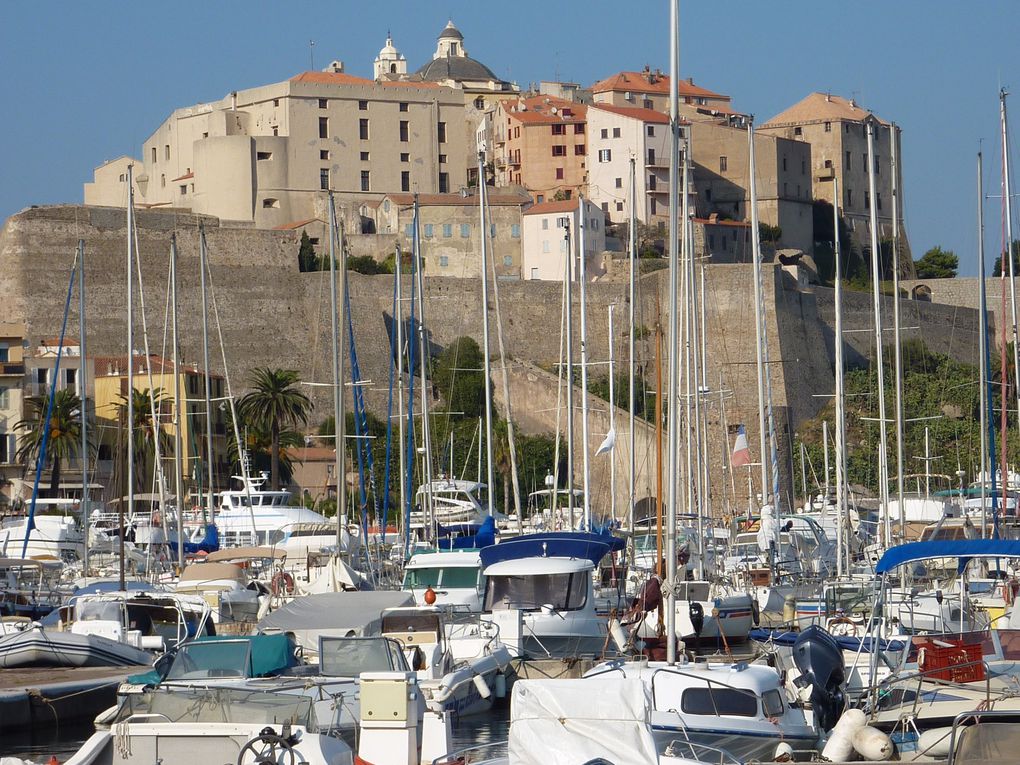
(697,614)
(820,661)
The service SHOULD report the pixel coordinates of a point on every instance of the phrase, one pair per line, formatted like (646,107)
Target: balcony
(826,174)
(8,369)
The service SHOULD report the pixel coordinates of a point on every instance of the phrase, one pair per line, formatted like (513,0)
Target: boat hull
(37,647)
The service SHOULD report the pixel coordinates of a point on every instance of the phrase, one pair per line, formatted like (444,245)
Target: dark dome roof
(458,68)
(451,31)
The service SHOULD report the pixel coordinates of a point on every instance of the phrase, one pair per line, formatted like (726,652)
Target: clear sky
(82,82)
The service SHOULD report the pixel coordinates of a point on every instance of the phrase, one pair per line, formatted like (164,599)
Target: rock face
(270,314)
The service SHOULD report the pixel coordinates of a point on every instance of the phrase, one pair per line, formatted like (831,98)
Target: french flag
(741,455)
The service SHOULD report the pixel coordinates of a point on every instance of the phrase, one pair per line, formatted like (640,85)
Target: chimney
(690,80)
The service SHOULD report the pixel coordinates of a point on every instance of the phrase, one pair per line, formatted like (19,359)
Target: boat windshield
(219,705)
(349,657)
(564,592)
(454,577)
(200,661)
(98,610)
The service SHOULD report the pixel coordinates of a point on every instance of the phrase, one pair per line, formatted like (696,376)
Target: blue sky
(83,82)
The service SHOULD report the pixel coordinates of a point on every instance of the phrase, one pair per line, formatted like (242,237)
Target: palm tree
(501,462)
(258,443)
(146,432)
(274,404)
(65,431)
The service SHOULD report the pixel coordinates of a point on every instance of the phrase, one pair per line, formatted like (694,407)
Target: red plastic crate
(955,661)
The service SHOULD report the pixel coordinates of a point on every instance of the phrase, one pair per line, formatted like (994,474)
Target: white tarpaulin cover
(569,722)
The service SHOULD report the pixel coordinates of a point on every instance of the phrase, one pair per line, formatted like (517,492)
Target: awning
(564,544)
(964,549)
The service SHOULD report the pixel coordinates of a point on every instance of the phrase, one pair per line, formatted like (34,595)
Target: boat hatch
(412,627)
(350,656)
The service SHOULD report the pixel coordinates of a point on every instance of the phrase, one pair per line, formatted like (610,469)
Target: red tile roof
(118,365)
(296,224)
(544,208)
(438,200)
(651,82)
(184,177)
(820,107)
(547,110)
(723,222)
(52,342)
(637,113)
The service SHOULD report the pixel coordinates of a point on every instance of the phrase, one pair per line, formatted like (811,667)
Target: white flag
(608,443)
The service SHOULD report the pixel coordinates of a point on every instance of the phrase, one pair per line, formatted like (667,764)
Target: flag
(608,443)
(741,455)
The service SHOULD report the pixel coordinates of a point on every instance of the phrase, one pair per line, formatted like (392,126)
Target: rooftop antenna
(311,55)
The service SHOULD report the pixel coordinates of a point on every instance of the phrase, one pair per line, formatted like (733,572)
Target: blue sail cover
(472,536)
(210,542)
(964,549)
(557,544)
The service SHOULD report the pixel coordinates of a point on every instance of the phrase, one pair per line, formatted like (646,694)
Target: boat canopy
(231,554)
(964,549)
(566,544)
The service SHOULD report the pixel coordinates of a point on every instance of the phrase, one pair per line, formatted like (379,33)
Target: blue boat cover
(847,643)
(474,536)
(555,544)
(210,542)
(964,549)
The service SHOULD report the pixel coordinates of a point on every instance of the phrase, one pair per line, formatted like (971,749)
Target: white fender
(840,744)
(872,744)
(934,742)
(618,635)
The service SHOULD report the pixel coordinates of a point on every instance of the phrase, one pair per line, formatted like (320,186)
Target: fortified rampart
(270,314)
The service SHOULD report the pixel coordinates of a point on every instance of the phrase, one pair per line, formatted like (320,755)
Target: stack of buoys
(853,735)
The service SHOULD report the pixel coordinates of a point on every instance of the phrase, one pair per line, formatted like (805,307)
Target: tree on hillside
(937,264)
(64,429)
(274,404)
(458,377)
(307,259)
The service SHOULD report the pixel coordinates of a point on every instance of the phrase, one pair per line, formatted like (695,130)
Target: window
(545,245)
(403,106)
(650,130)
(578,128)
(479,103)
(619,207)
(276,102)
(324,154)
(364,156)
(270,202)
(846,129)
(616,132)
(878,201)
(651,182)
(559,173)
(828,163)
(262,156)
(166,150)
(605,207)
(184,189)
(647,103)
(651,156)
(724,164)
(366,180)
(867,199)
(564,592)
(719,701)
(772,701)
(515,230)
(404,130)
(322,103)
(5,353)
(545,224)
(492,230)
(447,230)
(508,261)
(323,127)
(708,194)
(605,133)
(405,180)
(442,159)
(653,207)
(444,261)
(363,128)
(162,180)
(579,150)
(562,222)
(784,164)
(363,106)
(605,155)
(444,183)
(849,197)
(534,273)
(559,129)
(711,242)
(153,155)
(849,164)
(441,132)
(798,131)
(559,151)
(828,127)
(276,131)
(803,167)
(324,178)
(405,157)
(5,397)
(864,161)
(618,183)
(428,230)
(408,229)
(465,230)
(628,96)
(878,165)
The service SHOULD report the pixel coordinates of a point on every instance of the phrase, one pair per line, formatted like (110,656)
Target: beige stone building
(546,244)
(12,373)
(836,129)
(450,230)
(540,143)
(268,154)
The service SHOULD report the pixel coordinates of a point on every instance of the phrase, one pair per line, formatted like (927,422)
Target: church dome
(451,32)
(457,68)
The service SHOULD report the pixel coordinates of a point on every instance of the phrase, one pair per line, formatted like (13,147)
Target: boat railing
(927,675)
(703,753)
(974,717)
(464,756)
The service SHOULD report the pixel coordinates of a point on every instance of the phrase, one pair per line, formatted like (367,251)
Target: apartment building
(836,129)
(451,230)
(12,373)
(540,143)
(552,229)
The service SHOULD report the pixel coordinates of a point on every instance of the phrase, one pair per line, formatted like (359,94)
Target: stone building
(540,143)
(545,245)
(450,231)
(836,129)
(12,373)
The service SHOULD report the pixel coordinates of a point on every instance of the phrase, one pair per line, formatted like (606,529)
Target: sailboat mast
(423,362)
(202,263)
(582,273)
(612,421)
(632,235)
(178,424)
(842,510)
(399,320)
(568,320)
(130,373)
(674,329)
(486,358)
(898,350)
(876,295)
(83,408)
(1007,196)
(339,417)
(759,317)
(983,347)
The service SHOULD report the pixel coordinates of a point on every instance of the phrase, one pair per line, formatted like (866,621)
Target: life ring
(282,582)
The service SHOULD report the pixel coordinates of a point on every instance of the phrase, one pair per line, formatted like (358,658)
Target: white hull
(37,647)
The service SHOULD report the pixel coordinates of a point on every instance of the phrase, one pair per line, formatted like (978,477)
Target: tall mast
(202,265)
(1008,204)
(486,360)
(612,420)
(423,363)
(632,469)
(983,347)
(339,416)
(582,269)
(568,300)
(841,504)
(876,294)
(83,408)
(130,372)
(674,329)
(178,467)
(399,319)
(898,352)
(759,317)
